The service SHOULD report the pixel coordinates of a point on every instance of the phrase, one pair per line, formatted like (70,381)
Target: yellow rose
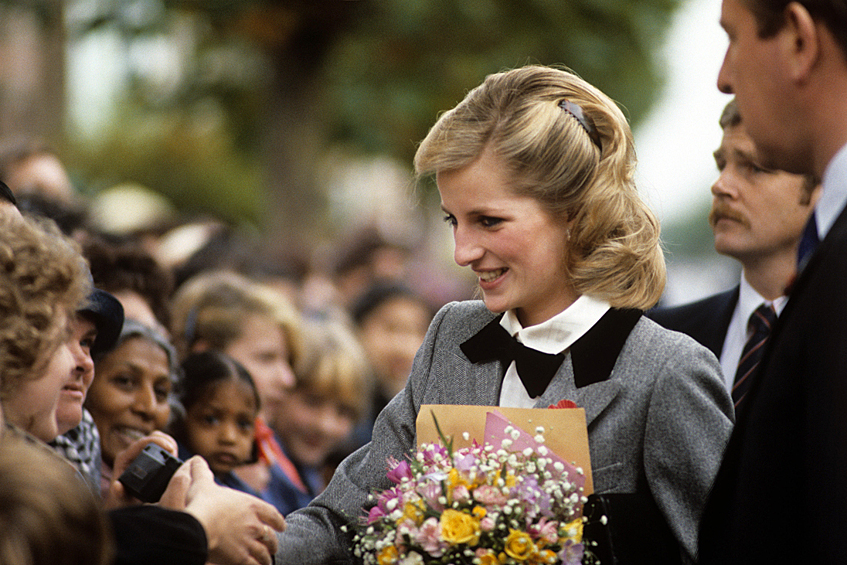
(388,556)
(573,530)
(458,527)
(547,556)
(412,511)
(519,545)
(487,557)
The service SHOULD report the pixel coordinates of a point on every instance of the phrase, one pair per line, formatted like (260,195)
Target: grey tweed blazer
(659,423)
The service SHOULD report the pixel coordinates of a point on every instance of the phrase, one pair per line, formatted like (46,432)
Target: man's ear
(801,38)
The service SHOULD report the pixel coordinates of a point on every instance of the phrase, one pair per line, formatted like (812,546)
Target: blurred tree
(32,43)
(276,82)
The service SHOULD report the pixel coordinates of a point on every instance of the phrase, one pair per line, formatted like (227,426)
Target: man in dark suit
(757,217)
(781,493)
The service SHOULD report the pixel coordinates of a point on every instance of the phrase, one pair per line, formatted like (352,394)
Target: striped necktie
(759,326)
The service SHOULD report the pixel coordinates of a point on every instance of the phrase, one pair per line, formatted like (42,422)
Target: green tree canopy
(276,82)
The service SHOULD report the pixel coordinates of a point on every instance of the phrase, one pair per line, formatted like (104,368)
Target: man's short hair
(770,16)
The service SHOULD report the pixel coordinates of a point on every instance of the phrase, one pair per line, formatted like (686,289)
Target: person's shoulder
(466,316)
(663,341)
(703,311)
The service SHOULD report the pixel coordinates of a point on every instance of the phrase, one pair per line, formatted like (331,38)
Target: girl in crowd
(535,171)
(260,329)
(131,396)
(221,404)
(329,398)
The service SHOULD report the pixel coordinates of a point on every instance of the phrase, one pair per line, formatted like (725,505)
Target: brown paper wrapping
(564,429)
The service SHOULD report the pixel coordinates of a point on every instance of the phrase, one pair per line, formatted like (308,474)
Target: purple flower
(375,514)
(572,553)
(532,496)
(398,471)
(430,452)
(466,464)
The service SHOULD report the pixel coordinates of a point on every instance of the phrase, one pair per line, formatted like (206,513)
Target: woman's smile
(515,247)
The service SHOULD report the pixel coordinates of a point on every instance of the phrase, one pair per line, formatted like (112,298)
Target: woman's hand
(241,528)
(117,496)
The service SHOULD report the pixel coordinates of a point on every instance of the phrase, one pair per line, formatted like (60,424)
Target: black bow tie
(493,342)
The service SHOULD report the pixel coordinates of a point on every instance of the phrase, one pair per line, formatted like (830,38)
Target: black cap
(107,313)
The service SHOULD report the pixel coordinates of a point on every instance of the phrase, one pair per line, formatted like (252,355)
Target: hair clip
(587,124)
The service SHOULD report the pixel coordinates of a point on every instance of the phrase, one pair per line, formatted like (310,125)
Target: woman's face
(516,248)
(312,425)
(263,351)
(220,426)
(129,397)
(69,411)
(32,405)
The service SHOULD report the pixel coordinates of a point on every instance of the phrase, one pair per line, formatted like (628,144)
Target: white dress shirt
(834,195)
(737,333)
(552,336)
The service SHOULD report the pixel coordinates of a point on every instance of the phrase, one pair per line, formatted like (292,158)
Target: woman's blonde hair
(42,276)
(212,306)
(526,117)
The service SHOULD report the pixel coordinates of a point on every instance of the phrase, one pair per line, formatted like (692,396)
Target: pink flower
(430,492)
(375,514)
(489,495)
(461,493)
(398,471)
(487,524)
(429,537)
(546,530)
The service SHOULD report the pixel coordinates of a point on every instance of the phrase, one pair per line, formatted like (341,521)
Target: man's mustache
(722,211)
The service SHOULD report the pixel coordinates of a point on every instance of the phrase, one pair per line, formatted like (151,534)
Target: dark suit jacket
(705,320)
(781,493)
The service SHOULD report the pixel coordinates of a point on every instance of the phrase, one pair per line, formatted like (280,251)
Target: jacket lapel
(584,376)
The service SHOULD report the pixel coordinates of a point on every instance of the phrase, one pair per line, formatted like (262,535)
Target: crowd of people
(108,347)
(711,426)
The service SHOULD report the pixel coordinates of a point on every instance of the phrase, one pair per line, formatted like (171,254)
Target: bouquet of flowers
(506,501)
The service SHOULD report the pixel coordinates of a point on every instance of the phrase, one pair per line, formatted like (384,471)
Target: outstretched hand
(241,528)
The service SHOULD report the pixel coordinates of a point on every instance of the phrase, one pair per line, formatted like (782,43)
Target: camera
(148,475)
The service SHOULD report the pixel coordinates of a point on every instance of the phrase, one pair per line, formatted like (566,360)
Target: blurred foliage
(374,76)
(690,234)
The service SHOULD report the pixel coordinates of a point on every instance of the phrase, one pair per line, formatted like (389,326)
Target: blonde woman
(535,171)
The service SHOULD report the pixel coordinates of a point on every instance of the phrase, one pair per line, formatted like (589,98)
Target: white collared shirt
(737,333)
(834,195)
(555,335)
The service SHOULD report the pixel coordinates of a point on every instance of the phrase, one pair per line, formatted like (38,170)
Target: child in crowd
(221,404)
(330,397)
